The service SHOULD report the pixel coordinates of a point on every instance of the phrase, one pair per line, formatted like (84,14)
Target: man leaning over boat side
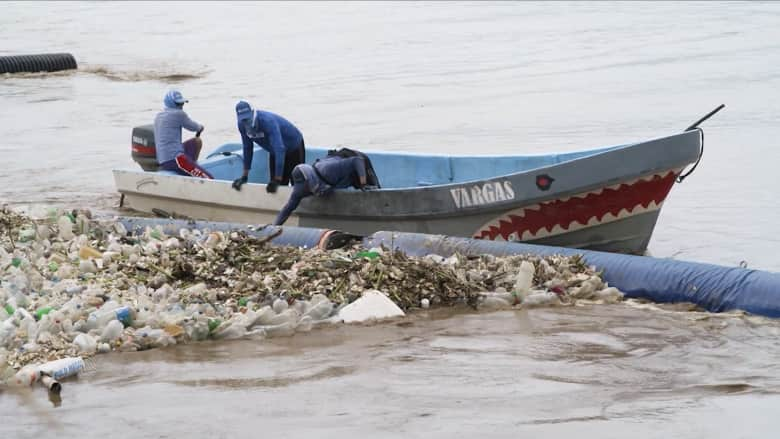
(172,154)
(321,178)
(275,134)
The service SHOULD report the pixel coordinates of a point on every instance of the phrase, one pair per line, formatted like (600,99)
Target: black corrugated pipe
(47,62)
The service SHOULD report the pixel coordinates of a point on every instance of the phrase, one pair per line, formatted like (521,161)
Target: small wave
(142,75)
(115,75)
(37,75)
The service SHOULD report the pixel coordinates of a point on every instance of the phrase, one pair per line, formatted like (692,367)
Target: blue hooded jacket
(330,173)
(270,131)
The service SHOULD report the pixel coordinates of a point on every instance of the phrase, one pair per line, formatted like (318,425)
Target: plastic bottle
(305,324)
(62,368)
(285,329)
(85,343)
(26,235)
(153,338)
(320,311)
(214,324)
(524,279)
(541,298)
(112,331)
(280,305)
(43,231)
(7,332)
(25,377)
(73,308)
(197,330)
(87,252)
(100,318)
(229,331)
(66,228)
(40,312)
(609,295)
(492,302)
(286,316)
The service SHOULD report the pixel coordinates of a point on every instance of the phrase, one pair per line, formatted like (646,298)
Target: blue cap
(243,111)
(174,98)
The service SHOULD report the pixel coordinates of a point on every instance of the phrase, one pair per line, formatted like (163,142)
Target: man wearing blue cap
(275,134)
(172,154)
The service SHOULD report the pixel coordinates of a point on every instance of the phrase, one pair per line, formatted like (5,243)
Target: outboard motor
(143,149)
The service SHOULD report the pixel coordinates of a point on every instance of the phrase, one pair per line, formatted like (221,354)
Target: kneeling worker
(275,134)
(320,179)
(172,154)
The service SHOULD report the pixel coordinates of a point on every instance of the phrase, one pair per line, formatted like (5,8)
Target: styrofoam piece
(373,305)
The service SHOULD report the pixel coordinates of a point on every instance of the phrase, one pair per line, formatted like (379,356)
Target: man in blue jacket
(172,154)
(320,179)
(275,134)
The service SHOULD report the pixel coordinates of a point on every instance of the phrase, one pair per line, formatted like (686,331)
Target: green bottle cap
(242,301)
(9,309)
(16,262)
(214,324)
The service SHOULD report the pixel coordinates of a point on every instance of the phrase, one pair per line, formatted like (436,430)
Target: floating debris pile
(73,286)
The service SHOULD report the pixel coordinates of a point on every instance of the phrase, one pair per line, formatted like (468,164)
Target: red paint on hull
(581,210)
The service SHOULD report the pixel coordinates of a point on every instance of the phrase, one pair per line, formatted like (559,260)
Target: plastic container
(62,368)
(101,317)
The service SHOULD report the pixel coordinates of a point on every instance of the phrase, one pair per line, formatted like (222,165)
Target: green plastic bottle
(367,254)
(40,312)
(214,324)
(9,309)
(16,262)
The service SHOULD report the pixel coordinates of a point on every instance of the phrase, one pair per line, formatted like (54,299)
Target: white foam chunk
(373,305)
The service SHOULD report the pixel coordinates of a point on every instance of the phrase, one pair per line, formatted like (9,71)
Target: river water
(506,77)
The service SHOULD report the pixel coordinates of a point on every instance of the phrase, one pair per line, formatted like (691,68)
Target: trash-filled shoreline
(72,286)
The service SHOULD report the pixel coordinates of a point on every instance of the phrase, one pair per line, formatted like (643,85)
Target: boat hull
(608,201)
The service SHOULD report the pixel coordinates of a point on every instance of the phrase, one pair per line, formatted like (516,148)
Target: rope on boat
(682,177)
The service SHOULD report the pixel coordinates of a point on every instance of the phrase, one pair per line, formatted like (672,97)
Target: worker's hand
(200,131)
(271,187)
(237,183)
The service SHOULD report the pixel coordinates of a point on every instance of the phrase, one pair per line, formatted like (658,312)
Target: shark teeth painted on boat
(582,210)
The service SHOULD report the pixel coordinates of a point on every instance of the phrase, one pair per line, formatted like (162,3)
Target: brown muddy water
(606,371)
(493,78)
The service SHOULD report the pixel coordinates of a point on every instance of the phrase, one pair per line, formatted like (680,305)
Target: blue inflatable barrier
(712,287)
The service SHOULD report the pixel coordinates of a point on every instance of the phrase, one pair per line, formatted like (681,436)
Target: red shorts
(185,163)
